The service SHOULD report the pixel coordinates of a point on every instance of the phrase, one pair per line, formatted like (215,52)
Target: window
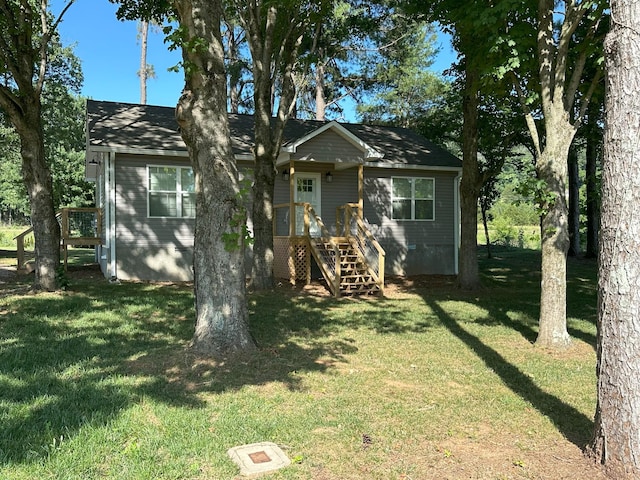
(171,192)
(412,198)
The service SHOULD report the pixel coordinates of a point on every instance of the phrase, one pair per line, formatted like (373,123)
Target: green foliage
(14,201)
(62,278)
(403,87)
(505,233)
(63,121)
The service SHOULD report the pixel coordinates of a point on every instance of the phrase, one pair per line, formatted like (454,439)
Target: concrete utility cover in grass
(258,458)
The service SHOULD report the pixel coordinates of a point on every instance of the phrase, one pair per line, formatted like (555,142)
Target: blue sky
(110,55)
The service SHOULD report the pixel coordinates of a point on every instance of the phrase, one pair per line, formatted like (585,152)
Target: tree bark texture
(552,168)
(574,204)
(219,271)
(616,441)
(559,80)
(593,151)
(470,185)
(37,178)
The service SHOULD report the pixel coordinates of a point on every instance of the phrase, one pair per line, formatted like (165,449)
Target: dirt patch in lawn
(394,286)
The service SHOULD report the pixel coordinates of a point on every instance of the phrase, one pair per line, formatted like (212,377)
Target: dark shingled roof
(116,126)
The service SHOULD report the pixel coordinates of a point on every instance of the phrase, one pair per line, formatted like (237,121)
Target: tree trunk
(37,179)
(485,224)
(552,168)
(574,204)
(218,263)
(273,58)
(144,35)
(264,179)
(262,216)
(616,441)
(593,193)
(321,101)
(468,274)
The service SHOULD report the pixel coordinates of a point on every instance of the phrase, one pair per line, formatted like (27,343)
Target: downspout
(111,208)
(456,222)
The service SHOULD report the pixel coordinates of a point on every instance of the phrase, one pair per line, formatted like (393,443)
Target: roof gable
(368,151)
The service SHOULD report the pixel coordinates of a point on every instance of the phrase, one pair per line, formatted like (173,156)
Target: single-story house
(391,186)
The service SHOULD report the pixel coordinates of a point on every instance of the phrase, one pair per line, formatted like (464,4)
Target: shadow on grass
(573,424)
(83,357)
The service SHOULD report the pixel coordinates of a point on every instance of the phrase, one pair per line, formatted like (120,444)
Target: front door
(307,191)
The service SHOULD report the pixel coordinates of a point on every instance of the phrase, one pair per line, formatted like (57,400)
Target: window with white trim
(412,198)
(171,191)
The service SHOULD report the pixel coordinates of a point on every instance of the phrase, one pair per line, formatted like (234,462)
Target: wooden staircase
(351,259)
(352,274)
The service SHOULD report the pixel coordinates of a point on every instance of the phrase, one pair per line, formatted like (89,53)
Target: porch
(78,226)
(351,261)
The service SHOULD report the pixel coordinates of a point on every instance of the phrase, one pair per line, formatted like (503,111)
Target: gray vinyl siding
(328,147)
(148,248)
(412,246)
(161,249)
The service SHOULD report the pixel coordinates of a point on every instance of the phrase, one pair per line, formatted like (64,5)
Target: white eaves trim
(369,152)
(139,151)
(157,153)
(402,166)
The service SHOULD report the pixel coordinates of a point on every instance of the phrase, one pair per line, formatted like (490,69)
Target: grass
(97,382)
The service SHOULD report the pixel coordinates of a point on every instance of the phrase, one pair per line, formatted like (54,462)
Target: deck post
(292,196)
(292,223)
(361,191)
(20,251)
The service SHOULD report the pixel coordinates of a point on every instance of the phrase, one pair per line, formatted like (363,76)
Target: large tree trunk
(37,179)
(470,185)
(616,441)
(24,73)
(552,168)
(218,263)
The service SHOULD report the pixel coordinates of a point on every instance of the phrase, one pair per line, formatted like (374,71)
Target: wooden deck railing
(78,226)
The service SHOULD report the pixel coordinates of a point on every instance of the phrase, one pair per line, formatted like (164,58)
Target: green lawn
(96,382)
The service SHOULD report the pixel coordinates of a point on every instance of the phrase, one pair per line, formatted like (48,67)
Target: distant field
(7,235)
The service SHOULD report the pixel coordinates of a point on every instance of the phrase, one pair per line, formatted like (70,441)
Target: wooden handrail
(327,238)
(363,231)
(66,237)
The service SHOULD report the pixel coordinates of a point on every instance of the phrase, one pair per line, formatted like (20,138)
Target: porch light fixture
(93,161)
(329,177)
(285,175)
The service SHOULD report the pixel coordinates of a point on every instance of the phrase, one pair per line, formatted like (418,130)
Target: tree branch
(531,123)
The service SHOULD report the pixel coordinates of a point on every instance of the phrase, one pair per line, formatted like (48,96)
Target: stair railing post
(20,251)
